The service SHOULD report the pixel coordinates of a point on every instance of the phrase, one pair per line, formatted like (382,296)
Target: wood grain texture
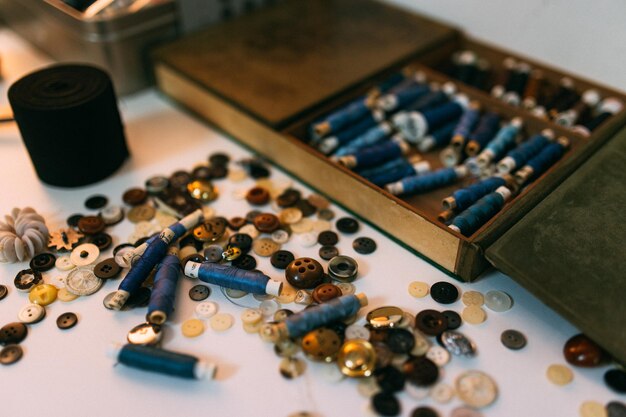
(277,63)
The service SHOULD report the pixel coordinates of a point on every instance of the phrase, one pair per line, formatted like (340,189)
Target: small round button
(347,225)
(96,202)
(63,263)
(476,389)
(424,412)
(67,321)
(364,245)
(473,314)
(287,294)
(327,238)
(141,213)
(13,333)
(43,294)
(266,222)
(498,301)
(386,404)
(291,367)
(31,313)
(241,240)
(442,393)
(418,289)
(431,322)
(473,298)
(102,240)
(592,409)
(134,196)
(389,378)
(304,273)
(444,292)
(145,334)
(328,252)
(206,309)
(84,254)
(107,269)
(559,374)
(251,316)
(326,214)
(400,341)
(10,354)
(64,295)
(258,196)
(199,292)
(280,236)
(192,328)
(454,319)
(42,262)
(343,268)
(245,261)
(616,409)
(90,225)
(221,322)
(112,215)
(325,292)
(265,247)
(438,355)
(513,339)
(457,343)
(281,259)
(303,226)
(3,291)
(26,279)
(616,380)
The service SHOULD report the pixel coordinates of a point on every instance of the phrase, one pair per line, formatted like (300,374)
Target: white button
(307,240)
(84,254)
(221,322)
(498,301)
(64,263)
(269,307)
(346,288)
(206,309)
(418,289)
(82,281)
(31,313)
(251,316)
(438,355)
(280,236)
(442,393)
(356,331)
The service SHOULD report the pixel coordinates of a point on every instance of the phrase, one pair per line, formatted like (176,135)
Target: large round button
(26,279)
(304,273)
(84,254)
(444,292)
(343,268)
(31,313)
(421,371)
(90,225)
(43,294)
(266,222)
(67,321)
(82,281)
(582,351)
(13,333)
(42,262)
(10,354)
(476,389)
(325,292)
(107,269)
(431,322)
(321,344)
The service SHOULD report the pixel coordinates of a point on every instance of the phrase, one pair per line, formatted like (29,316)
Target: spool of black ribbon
(70,124)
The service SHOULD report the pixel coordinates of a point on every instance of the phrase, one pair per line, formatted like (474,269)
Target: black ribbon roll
(70,124)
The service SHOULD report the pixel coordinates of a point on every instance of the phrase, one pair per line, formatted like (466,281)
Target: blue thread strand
(392,175)
(478,214)
(528,149)
(428,101)
(486,130)
(353,132)
(231,277)
(370,137)
(377,154)
(410,95)
(149,358)
(438,116)
(387,166)
(164,289)
(441,137)
(545,159)
(467,122)
(465,197)
(343,117)
(503,141)
(340,308)
(391,82)
(418,184)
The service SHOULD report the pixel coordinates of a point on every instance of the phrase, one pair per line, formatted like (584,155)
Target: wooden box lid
(278,63)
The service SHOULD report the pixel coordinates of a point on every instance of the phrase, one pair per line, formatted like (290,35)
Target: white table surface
(66,373)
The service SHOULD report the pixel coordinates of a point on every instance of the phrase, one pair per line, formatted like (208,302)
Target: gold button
(211,230)
(231,253)
(356,358)
(43,294)
(202,190)
(385,316)
(321,344)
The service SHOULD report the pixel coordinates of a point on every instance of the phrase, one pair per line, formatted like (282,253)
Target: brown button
(266,222)
(211,230)
(431,322)
(421,371)
(304,273)
(258,196)
(321,344)
(325,292)
(91,225)
(288,198)
(134,196)
(582,351)
(237,223)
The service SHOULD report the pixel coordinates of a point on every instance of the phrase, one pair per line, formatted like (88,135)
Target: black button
(386,404)
(3,291)
(306,208)
(138,299)
(400,340)
(67,321)
(431,322)
(202,172)
(616,409)
(219,159)
(10,354)
(190,240)
(73,220)
(444,292)
(179,180)
(454,319)
(513,339)
(219,171)
(328,252)
(616,380)
(42,262)
(96,202)
(245,261)
(135,196)
(255,168)
(364,245)
(378,334)
(122,246)
(12,333)
(327,237)
(326,214)
(102,240)
(421,371)
(199,292)
(424,412)
(27,279)
(288,198)
(241,240)
(107,269)
(347,225)
(384,355)
(280,259)
(389,379)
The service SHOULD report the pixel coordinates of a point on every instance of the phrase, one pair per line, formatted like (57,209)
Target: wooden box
(265,77)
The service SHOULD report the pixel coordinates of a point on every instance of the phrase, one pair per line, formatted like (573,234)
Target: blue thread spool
(415,125)
(406,170)
(419,184)
(164,290)
(485,131)
(520,155)
(389,83)
(153,254)
(152,359)
(501,143)
(402,98)
(304,321)
(439,138)
(387,166)
(375,155)
(541,162)
(341,118)
(329,144)
(477,215)
(254,282)
(463,198)
(374,135)
(430,100)
(452,154)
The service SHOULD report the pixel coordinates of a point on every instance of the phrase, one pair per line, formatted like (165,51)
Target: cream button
(280,236)
(221,322)
(64,295)
(442,393)
(306,240)
(265,247)
(192,327)
(303,226)
(476,389)
(290,215)
(84,254)
(31,313)
(321,225)
(206,309)
(418,289)
(473,298)
(592,409)
(287,294)
(63,263)
(43,294)
(269,307)
(251,316)
(559,374)
(346,288)
(252,328)
(250,230)
(473,314)
(82,281)
(438,355)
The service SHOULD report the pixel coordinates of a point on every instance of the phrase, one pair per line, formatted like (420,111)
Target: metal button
(67,321)
(476,389)
(43,294)
(82,281)
(13,333)
(84,254)
(384,317)
(42,262)
(232,253)
(356,358)
(145,334)
(343,268)
(498,301)
(31,313)
(107,269)
(321,344)
(356,331)
(304,273)
(202,190)
(364,245)
(199,292)
(513,339)
(210,230)
(457,343)
(444,292)
(27,279)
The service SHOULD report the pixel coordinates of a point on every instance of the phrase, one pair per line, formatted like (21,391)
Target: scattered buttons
(559,374)
(107,269)
(192,327)
(498,301)
(31,313)
(364,245)
(418,289)
(347,225)
(476,389)
(27,279)
(10,354)
(473,314)
(42,262)
(13,333)
(199,292)
(221,322)
(444,292)
(96,202)
(84,254)
(67,321)
(513,339)
(206,309)
(43,294)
